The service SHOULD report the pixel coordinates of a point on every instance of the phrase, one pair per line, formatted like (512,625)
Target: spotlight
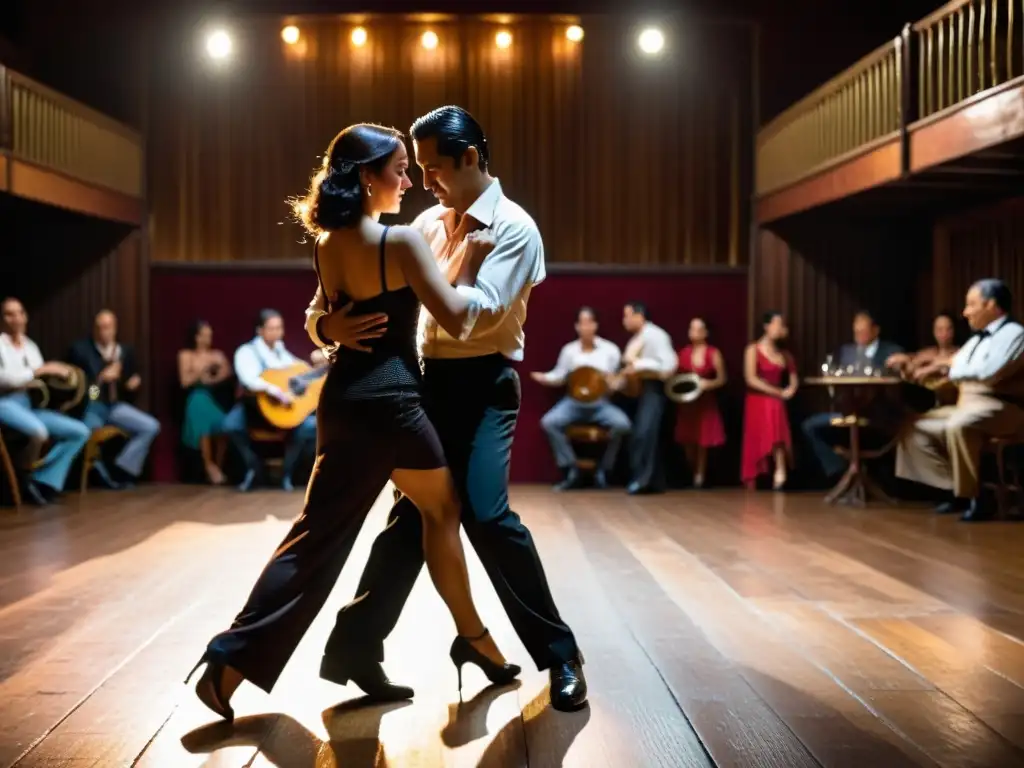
(574,33)
(429,40)
(290,34)
(503,39)
(359,37)
(651,41)
(218,45)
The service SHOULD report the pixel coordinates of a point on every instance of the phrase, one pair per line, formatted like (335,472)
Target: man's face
(445,177)
(586,326)
(864,330)
(632,321)
(105,328)
(979,311)
(15,317)
(272,331)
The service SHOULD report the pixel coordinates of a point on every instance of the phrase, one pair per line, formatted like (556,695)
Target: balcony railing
(46,128)
(964,48)
(856,109)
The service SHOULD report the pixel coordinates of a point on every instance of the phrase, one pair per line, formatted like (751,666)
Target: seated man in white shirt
(650,356)
(589,350)
(21,363)
(943,448)
(266,351)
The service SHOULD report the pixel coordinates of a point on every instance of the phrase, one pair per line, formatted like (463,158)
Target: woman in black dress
(370,423)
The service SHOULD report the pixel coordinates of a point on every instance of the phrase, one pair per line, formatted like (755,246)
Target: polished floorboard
(721,628)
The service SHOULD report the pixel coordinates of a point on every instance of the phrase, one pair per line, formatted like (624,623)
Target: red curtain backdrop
(230,299)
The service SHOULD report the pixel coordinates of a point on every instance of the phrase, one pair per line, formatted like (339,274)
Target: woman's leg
(779,478)
(433,493)
(701,469)
(206,448)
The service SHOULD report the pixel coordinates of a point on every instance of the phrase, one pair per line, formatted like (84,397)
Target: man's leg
(645,451)
(236,427)
(69,437)
(817,429)
(554,423)
(16,413)
(615,420)
(301,442)
(142,430)
(967,429)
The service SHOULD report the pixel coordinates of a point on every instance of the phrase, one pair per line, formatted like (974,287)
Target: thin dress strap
(316,268)
(383,266)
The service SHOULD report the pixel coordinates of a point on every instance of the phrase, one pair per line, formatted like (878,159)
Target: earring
(369,191)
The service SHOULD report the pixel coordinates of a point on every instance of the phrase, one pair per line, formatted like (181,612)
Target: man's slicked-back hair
(994,289)
(455,131)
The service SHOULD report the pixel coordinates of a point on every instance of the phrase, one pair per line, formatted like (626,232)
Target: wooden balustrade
(48,129)
(859,108)
(964,48)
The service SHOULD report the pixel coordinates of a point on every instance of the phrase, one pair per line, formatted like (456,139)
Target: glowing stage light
(218,44)
(574,33)
(429,40)
(503,39)
(290,34)
(651,41)
(359,37)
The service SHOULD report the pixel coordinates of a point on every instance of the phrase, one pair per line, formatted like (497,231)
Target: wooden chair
(11,472)
(92,451)
(1007,482)
(590,439)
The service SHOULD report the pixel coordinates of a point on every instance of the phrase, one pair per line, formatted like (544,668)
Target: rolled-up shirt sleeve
(248,370)
(658,355)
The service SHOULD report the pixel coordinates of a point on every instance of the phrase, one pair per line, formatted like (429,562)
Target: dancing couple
(443,435)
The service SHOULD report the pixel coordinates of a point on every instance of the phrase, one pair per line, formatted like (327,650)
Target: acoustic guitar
(303,383)
(586,384)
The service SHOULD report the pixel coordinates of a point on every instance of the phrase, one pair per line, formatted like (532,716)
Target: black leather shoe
(635,489)
(33,494)
(368,675)
(953,507)
(568,686)
(978,512)
(248,481)
(572,480)
(600,480)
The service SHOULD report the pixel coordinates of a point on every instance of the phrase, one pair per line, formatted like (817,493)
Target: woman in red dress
(699,424)
(766,436)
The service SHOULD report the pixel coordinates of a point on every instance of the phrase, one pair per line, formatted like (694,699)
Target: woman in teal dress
(200,369)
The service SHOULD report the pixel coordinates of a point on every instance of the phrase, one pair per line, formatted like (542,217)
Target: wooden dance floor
(720,629)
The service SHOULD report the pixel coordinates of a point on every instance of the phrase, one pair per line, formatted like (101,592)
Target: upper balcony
(57,151)
(936,111)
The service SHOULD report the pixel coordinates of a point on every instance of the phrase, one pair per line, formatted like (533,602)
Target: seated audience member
(929,361)
(114,381)
(868,350)
(649,355)
(699,423)
(200,369)
(589,350)
(766,434)
(266,351)
(21,363)
(943,447)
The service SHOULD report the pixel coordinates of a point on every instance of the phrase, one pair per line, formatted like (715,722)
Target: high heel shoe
(208,687)
(463,652)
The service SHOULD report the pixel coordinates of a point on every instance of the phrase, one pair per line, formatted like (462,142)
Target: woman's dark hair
(455,130)
(335,197)
(193,330)
(707,325)
(768,316)
(956,321)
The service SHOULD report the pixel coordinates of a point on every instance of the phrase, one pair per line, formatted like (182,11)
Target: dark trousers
(821,436)
(646,462)
(473,404)
(355,458)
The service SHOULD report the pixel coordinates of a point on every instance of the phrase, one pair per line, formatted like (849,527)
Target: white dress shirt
(605,357)
(983,357)
(502,287)
(18,364)
(650,350)
(252,359)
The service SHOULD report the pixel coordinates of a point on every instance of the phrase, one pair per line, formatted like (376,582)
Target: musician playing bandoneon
(266,351)
(588,351)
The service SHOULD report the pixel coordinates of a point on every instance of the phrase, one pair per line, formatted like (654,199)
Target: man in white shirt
(471,393)
(20,364)
(943,447)
(590,351)
(266,351)
(650,355)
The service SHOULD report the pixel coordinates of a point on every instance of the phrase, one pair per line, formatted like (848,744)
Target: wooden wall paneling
(619,159)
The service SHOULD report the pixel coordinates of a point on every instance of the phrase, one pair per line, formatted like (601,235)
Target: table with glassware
(852,390)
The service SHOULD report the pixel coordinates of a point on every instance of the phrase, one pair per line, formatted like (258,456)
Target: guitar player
(266,351)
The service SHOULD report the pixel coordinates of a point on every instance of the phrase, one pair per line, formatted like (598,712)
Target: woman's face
(698,331)
(388,187)
(204,337)
(942,330)
(776,329)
